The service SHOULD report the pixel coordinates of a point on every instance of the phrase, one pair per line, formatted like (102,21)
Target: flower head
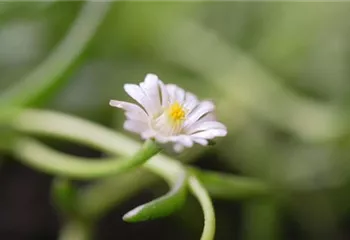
(167,113)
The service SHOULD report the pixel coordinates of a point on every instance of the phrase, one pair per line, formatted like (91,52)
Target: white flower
(167,113)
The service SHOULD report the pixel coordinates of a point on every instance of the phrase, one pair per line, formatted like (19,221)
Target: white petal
(210,134)
(137,93)
(178,147)
(176,93)
(200,141)
(125,105)
(202,109)
(180,95)
(207,117)
(206,135)
(147,134)
(136,117)
(162,139)
(151,78)
(135,126)
(220,132)
(191,102)
(202,126)
(162,125)
(133,111)
(151,89)
(183,139)
(164,94)
(171,88)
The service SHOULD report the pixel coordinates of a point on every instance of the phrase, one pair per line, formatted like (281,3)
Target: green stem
(162,206)
(41,157)
(201,194)
(68,127)
(78,130)
(54,124)
(49,73)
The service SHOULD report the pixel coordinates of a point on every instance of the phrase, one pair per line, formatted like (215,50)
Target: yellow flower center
(176,112)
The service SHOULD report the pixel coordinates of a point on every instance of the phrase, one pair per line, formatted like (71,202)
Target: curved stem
(48,74)
(201,194)
(41,157)
(59,125)
(67,127)
(162,206)
(49,123)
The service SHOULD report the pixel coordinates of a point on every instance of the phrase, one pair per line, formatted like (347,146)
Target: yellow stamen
(176,112)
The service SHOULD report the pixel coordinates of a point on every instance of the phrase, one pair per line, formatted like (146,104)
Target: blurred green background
(278,72)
